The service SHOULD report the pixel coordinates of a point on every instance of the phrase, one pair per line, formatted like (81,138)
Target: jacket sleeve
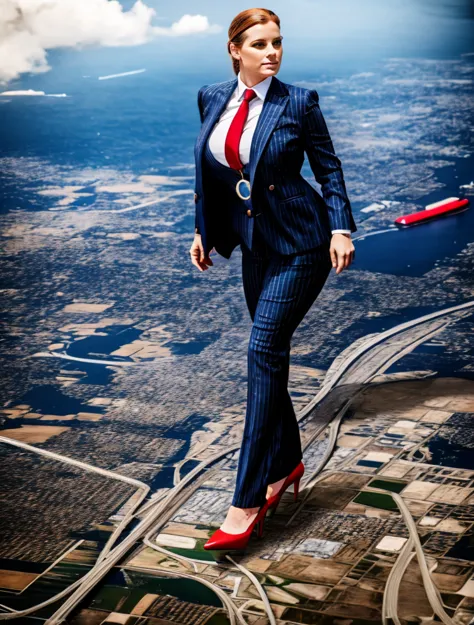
(325,165)
(200,104)
(201,117)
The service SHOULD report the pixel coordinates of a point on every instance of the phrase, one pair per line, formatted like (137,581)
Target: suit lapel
(273,106)
(220,100)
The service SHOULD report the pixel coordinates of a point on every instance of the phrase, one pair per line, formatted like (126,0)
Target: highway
(354,369)
(397,342)
(143,488)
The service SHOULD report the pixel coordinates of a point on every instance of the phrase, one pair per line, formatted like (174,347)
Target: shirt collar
(260,88)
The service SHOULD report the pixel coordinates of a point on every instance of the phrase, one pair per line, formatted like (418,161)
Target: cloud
(28,28)
(31,92)
(188,25)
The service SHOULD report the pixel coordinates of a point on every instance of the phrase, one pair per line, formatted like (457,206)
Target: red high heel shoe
(294,477)
(223,540)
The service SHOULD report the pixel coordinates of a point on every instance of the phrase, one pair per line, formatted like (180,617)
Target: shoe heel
(296,489)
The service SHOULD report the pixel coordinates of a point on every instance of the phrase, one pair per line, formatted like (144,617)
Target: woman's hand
(197,254)
(342,251)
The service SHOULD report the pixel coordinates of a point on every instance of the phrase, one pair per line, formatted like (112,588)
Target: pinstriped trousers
(279,291)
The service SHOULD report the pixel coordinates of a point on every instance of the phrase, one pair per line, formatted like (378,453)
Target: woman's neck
(249,82)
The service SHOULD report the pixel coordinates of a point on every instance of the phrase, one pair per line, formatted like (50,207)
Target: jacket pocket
(293,197)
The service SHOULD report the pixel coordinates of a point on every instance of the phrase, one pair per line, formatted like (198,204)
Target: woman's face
(261,53)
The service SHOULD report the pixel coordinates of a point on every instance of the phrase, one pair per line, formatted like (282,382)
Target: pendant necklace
(243,187)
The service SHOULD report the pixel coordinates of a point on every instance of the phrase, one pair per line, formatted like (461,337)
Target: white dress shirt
(218,135)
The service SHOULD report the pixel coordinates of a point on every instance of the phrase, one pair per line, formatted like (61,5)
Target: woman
(249,191)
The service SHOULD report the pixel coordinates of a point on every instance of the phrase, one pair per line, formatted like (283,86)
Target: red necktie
(234,133)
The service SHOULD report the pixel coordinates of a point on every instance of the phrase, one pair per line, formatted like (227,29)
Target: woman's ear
(233,51)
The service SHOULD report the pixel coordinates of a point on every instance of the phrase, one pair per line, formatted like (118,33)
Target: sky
(104,36)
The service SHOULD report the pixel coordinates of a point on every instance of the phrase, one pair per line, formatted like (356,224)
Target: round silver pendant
(243,189)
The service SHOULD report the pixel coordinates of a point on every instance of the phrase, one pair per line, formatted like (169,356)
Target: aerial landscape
(124,370)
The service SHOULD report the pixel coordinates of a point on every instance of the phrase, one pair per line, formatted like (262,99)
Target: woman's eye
(277,43)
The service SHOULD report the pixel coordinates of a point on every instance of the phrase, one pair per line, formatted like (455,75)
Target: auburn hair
(241,22)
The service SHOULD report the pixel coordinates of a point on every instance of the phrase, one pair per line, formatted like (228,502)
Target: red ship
(449,205)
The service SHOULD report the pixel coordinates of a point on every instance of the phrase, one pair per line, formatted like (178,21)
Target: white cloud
(32,92)
(28,28)
(188,25)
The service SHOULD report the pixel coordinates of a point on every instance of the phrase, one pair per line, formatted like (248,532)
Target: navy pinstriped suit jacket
(294,216)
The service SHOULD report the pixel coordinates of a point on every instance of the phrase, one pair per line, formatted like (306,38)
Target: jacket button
(249,213)
(195,197)
(271,187)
